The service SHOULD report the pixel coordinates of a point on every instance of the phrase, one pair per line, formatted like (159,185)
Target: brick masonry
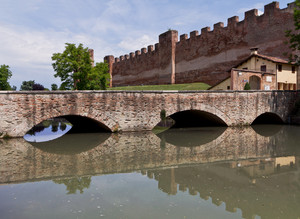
(209,56)
(137,110)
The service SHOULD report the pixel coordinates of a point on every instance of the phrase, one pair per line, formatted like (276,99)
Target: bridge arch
(196,118)
(80,124)
(207,115)
(85,124)
(268,118)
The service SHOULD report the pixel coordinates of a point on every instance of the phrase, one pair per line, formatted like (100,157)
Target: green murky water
(209,172)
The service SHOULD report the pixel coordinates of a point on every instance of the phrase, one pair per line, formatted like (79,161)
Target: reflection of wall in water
(257,168)
(267,195)
(128,152)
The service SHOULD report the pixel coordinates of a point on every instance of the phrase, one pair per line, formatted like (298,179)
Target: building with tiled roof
(262,72)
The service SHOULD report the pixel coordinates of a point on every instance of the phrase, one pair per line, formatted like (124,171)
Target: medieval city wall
(151,65)
(206,57)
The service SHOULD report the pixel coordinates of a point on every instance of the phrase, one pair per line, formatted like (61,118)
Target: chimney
(254,50)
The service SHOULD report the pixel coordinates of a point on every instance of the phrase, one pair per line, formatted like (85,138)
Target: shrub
(247,86)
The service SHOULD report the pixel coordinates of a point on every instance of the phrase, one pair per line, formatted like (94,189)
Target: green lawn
(193,86)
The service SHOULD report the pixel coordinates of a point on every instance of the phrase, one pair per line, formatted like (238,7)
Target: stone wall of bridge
(137,110)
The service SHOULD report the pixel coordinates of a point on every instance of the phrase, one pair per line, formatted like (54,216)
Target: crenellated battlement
(187,59)
(233,23)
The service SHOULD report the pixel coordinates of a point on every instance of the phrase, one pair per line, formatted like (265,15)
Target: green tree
(247,86)
(54,87)
(294,38)
(73,67)
(37,87)
(74,184)
(99,77)
(31,85)
(27,85)
(5,75)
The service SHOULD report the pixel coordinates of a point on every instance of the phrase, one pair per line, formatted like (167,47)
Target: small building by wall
(262,73)
(256,79)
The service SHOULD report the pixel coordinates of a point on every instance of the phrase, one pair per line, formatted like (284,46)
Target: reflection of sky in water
(129,195)
(46,135)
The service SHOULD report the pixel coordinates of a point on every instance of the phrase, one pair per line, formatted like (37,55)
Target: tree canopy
(31,85)
(294,36)
(99,77)
(5,75)
(54,87)
(74,67)
(27,85)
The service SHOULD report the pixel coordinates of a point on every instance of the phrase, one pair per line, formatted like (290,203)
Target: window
(228,87)
(245,68)
(279,68)
(293,69)
(263,68)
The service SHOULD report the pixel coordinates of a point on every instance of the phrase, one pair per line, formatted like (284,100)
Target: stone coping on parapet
(145,91)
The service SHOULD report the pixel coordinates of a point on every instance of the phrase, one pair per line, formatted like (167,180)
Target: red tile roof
(269,58)
(272,59)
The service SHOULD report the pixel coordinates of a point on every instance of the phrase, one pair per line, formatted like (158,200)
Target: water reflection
(75,183)
(239,168)
(256,187)
(267,130)
(48,130)
(191,137)
(90,154)
(72,143)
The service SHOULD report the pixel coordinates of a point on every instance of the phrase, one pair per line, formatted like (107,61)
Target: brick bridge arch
(201,108)
(137,110)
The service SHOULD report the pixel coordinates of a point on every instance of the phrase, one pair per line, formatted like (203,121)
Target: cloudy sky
(32,30)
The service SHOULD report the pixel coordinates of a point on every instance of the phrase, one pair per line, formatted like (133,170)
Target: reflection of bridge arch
(195,137)
(72,144)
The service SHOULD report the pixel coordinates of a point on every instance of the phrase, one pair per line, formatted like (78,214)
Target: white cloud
(29,52)
(258,6)
(132,43)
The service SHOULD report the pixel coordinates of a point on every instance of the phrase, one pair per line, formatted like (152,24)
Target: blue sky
(32,30)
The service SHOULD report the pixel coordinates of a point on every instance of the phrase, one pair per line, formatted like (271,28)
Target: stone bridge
(140,110)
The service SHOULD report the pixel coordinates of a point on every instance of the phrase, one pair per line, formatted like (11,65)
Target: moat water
(211,172)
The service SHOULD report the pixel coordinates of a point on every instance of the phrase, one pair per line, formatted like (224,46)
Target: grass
(192,86)
(158,129)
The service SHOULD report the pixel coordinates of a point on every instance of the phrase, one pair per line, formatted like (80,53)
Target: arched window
(254,82)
